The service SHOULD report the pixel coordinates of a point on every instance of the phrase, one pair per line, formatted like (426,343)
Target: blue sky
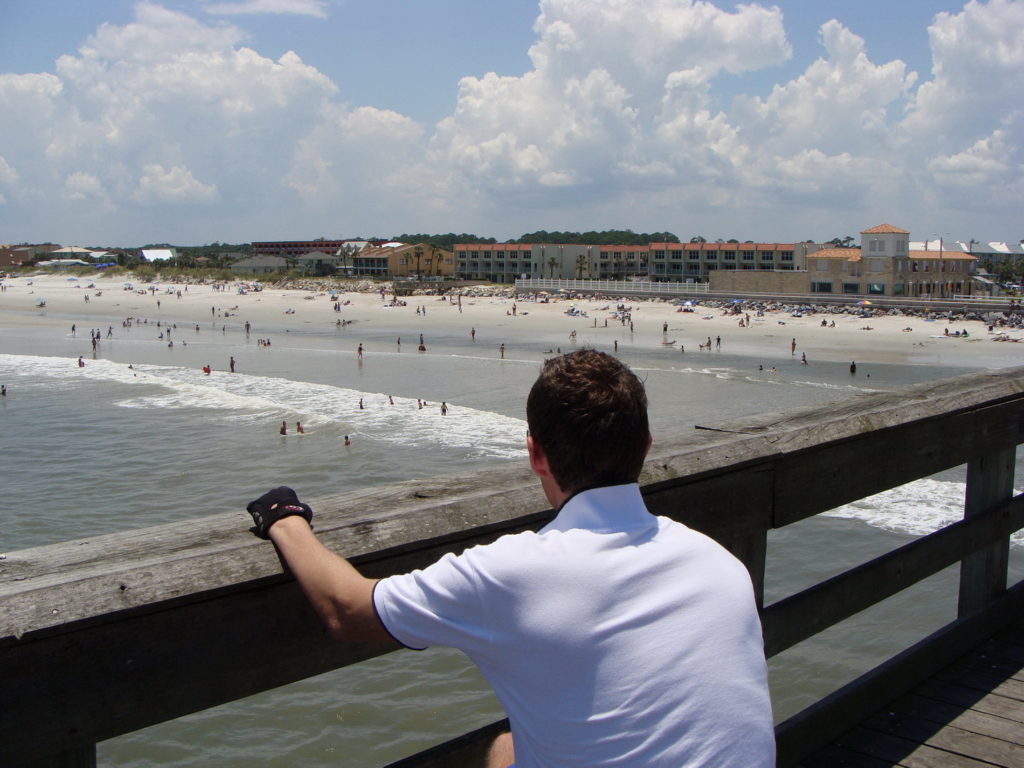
(194,121)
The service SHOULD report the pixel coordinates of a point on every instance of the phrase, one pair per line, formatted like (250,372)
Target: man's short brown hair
(588,413)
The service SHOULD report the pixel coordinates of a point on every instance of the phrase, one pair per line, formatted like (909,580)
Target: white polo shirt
(611,637)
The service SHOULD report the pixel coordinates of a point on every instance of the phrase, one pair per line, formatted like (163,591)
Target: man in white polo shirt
(611,637)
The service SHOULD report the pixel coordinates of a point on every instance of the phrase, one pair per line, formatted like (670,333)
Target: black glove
(273,505)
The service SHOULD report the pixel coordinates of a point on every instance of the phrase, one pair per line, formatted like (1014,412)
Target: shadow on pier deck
(969,715)
(89,629)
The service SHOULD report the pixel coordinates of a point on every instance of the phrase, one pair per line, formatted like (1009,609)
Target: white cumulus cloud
(316,8)
(618,122)
(172,185)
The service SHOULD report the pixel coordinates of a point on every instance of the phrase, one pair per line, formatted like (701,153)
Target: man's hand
(272,506)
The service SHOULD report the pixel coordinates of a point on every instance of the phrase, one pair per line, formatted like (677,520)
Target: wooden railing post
(983,573)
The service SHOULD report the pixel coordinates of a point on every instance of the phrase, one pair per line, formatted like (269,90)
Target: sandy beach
(98,300)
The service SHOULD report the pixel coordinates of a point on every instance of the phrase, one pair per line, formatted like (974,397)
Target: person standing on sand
(502,349)
(566,623)
(792,347)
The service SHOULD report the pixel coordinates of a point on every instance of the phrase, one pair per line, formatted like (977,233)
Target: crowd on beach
(585,313)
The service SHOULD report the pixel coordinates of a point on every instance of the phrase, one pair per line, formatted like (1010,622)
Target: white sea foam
(917,508)
(241,396)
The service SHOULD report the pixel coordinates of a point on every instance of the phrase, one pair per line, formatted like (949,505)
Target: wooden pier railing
(89,628)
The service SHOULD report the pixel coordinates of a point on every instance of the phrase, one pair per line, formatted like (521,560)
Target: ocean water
(141,432)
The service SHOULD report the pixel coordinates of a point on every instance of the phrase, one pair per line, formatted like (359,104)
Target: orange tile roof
(849,254)
(885,229)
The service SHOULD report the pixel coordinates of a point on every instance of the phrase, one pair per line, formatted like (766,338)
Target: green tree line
(608,237)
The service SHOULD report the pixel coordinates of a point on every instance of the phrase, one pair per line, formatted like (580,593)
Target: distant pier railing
(611,287)
(89,629)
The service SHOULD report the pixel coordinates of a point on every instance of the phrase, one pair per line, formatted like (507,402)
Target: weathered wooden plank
(845,708)
(979,701)
(989,483)
(991,662)
(78,688)
(844,471)
(946,714)
(806,613)
(893,750)
(986,682)
(950,739)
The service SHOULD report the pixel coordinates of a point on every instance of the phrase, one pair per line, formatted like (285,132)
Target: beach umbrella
(72,278)
(864,303)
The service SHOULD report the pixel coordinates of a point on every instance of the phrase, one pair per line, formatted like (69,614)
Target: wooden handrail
(87,628)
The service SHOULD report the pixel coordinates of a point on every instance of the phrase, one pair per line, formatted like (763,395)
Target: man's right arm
(341,596)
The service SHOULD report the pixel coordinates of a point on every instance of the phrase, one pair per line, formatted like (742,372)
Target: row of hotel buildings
(887,263)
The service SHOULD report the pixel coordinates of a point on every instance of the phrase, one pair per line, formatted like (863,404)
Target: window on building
(729,255)
(748,255)
(876,289)
(851,287)
(694,255)
(786,255)
(659,255)
(675,254)
(821,287)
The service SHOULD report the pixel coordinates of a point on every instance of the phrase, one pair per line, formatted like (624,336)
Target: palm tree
(552,263)
(418,253)
(581,262)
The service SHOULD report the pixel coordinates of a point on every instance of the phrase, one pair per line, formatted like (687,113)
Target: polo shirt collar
(612,507)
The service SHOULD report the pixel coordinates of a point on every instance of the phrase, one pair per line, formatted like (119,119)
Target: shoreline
(494,316)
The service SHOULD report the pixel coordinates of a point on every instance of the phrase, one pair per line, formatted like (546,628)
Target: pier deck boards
(970,715)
